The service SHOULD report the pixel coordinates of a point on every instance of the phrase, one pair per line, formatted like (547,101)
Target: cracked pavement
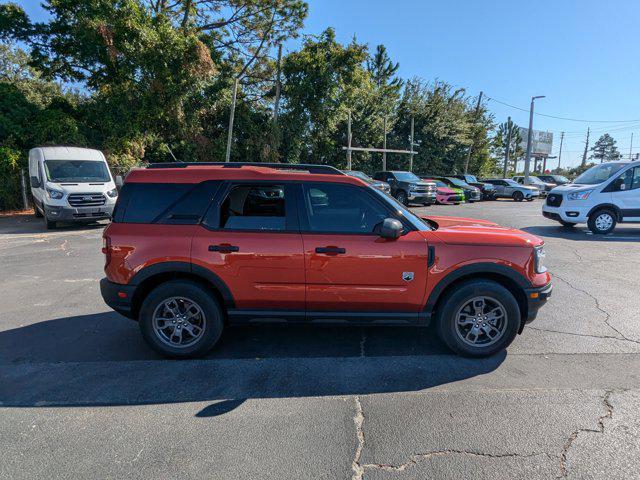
(82,397)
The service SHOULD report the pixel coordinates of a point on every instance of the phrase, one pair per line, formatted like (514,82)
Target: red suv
(196,247)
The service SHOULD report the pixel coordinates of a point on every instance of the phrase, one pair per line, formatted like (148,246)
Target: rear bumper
(536,298)
(117,296)
(78,214)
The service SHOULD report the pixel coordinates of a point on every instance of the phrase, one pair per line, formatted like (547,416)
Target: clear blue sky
(581,54)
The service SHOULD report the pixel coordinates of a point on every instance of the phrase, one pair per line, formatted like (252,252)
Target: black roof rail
(325,169)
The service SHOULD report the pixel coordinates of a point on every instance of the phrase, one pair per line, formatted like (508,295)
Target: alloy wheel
(179,322)
(481,321)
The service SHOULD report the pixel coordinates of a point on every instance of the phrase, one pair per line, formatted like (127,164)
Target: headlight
(413,186)
(581,195)
(113,193)
(539,255)
(55,194)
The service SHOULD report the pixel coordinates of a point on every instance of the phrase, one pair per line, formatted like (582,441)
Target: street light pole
(527,158)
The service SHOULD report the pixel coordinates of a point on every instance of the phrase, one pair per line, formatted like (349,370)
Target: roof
(70,153)
(199,172)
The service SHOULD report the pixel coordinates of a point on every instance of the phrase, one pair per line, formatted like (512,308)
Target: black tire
(49,224)
(37,212)
(530,199)
(600,216)
(517,196)
(401,196)
(567,224)
(212,318)
(455,300)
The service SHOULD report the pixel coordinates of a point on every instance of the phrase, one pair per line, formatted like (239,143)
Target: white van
(71,184)
(602,196)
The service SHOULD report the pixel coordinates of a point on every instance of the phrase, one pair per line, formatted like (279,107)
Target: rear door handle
(331,250)
(224,248)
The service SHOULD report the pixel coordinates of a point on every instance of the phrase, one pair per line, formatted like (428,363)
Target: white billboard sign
(541,143)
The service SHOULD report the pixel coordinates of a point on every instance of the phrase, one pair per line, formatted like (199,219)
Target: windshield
(406,177)
(599,173)
(76,171)
(457,182)
(360,175)
(471,178)
(560,178)
(416,221)
(512,183)
(439,183)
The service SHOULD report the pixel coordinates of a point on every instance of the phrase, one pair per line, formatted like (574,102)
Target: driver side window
(338,208)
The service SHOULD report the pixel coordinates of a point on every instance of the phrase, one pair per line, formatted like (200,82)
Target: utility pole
(231,115)
(631,146)
(560,153)
(586,148)
(349,142)
(411,148)
(466,162)
(508,147)
(384,146)
(527,158)
(276,106)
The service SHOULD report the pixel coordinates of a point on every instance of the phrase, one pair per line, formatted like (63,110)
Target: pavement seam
(597,304)
(603,337)
(358,420)
(608,415)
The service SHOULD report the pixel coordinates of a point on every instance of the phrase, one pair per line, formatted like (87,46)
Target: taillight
(106,249)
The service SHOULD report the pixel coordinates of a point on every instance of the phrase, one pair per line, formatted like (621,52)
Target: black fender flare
(185,267)
(474,269)
(608,206)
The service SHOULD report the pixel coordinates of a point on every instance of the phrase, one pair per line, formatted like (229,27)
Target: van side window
(254,207)
(635,178)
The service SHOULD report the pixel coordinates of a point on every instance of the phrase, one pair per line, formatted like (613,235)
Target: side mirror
(390,228)
(119,182)
(35,182)
(619,184)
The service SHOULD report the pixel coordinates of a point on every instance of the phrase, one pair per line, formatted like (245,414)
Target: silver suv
(507,188)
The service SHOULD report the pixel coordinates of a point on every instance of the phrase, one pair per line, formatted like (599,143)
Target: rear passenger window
(254,207)
(165,203)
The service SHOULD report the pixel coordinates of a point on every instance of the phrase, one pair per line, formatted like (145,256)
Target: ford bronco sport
(196,247)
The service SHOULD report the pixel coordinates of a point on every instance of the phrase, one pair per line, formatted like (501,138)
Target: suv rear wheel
(181,319)
(518,196)
(478,318)
(602,221)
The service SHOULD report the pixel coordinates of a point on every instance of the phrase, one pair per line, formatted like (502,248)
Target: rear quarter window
(164,203)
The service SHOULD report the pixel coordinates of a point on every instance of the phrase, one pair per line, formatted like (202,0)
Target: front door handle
(224,248)
(331,250)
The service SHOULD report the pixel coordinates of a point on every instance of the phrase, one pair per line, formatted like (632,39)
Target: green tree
(499,143)
(605,149)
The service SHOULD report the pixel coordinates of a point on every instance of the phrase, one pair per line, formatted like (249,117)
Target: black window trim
(211,218)
(304,221)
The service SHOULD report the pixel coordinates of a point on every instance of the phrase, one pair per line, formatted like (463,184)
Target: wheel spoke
(479,305)
(481,321)
(464,319)
(176,315)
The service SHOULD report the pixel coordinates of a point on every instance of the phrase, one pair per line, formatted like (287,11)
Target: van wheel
(517,196)
(49,224)
(401,196)
(181,319)
(602,221)
(478,318)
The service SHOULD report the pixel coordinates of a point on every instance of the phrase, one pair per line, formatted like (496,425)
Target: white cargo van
(71,184)
(603,196)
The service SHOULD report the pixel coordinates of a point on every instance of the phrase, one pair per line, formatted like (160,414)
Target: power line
(562,118)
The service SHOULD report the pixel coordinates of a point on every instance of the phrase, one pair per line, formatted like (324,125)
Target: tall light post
(527,158)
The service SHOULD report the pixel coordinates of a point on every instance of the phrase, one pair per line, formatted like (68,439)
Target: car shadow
(21,224)
(101,359)
(624,234)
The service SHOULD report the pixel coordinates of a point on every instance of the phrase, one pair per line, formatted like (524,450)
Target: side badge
(407,276)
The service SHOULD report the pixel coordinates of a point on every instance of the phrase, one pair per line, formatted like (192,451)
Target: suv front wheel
(181,319)
(401,196)
(478,318)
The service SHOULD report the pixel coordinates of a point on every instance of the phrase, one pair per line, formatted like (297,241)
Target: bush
(10,164)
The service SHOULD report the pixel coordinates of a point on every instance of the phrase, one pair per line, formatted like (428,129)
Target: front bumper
(536,298)
(426,198)
(78,214)
(117,296)
(566,213)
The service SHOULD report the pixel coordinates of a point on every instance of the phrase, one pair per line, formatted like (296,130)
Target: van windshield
(599,173)
(76,171)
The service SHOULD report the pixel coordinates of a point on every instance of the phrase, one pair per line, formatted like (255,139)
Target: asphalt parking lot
(81,396)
